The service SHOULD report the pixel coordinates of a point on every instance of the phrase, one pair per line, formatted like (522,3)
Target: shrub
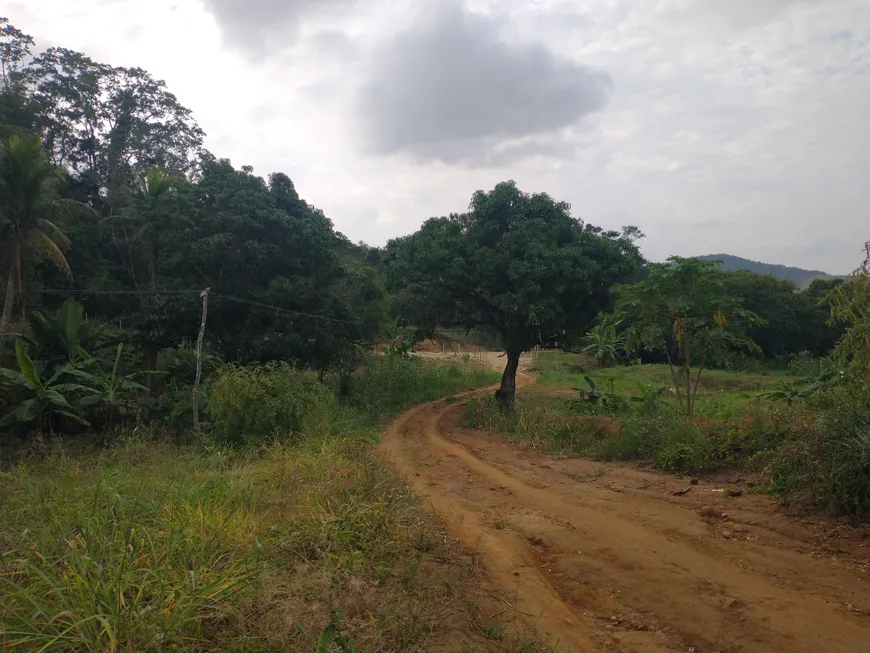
(265,401)
(826,464)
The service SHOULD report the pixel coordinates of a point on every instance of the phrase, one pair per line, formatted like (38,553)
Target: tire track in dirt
(612,562)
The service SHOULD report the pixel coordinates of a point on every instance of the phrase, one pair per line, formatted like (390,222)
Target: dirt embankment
(606,558)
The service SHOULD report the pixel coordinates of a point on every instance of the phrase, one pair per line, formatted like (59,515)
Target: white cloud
(732,127)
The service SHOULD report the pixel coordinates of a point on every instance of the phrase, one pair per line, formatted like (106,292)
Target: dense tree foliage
(516,262)
(167,220)
(794,321)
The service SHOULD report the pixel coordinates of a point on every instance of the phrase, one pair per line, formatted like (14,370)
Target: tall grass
(654,432)
(244,542)
(389,384)
(158,548)
(110,558)
(828,465)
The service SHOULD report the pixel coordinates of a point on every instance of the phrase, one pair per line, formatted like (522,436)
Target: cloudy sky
(738,126)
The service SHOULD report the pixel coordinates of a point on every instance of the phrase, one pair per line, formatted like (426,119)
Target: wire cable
(169,291)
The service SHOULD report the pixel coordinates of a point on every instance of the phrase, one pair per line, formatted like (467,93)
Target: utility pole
(204,295)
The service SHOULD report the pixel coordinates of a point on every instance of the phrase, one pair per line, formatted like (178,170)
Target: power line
(161,291)
(278,309)
(109,292)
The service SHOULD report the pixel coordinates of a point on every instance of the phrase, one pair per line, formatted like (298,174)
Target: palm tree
(29,208)
(137,221)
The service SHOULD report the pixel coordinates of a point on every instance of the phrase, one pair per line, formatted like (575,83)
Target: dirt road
(606,558)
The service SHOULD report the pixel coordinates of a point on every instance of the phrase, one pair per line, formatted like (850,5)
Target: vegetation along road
(204,385)
(607,558)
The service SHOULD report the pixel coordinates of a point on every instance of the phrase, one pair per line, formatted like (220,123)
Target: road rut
(606,558)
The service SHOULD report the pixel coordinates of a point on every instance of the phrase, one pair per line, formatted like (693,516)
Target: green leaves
(25,364)
(46,397)
(517,263)
(98,392)
(683,311)
(604,342)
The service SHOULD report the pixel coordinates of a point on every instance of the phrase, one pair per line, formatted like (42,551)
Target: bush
(826,465)
(266,401)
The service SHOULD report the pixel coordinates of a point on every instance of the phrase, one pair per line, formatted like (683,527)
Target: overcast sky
(726,126)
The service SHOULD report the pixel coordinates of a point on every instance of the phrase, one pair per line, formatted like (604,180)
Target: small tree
(29,210)
(683,310)
(517,263)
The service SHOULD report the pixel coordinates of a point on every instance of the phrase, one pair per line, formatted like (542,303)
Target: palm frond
(53,231)
(45,248)
(118,221)
(156,182)
(67,208)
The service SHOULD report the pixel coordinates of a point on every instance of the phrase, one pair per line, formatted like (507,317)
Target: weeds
(651,432)
(150,546)
(388,385)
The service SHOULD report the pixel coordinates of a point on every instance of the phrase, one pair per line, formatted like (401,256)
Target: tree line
(105,188)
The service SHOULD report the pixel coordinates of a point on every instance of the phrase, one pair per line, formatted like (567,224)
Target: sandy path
(605,558)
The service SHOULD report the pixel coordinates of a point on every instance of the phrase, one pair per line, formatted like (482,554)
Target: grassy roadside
(638,416)
(254,545)
(813,451)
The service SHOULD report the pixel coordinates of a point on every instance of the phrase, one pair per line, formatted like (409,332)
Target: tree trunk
(506,394)
(7,309)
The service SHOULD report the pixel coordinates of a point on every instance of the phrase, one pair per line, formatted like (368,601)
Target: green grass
(720,391)
(246,544)
(388,385)
(732,426)
(813,450)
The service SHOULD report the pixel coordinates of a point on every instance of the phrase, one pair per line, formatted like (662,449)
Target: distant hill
(802,278)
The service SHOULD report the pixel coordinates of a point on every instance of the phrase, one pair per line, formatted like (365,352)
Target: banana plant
(60,337)
(46,397)
(604,343)
(108,390)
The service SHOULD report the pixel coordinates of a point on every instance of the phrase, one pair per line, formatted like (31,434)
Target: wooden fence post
(204,295)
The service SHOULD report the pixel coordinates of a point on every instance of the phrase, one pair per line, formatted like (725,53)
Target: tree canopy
(516,262)
(123,197)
